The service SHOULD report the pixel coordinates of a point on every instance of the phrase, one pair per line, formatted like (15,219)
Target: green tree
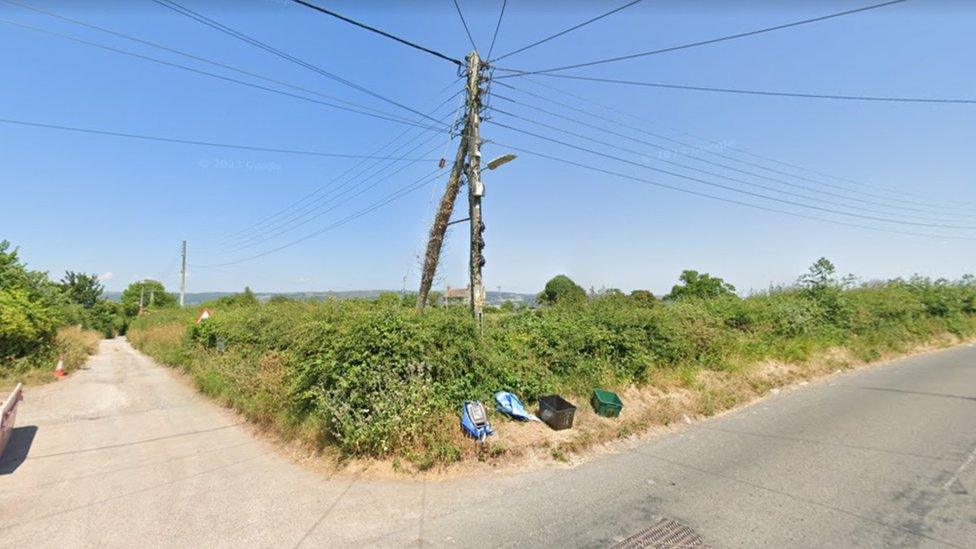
(30,306)
(643,298)
(14,274)
(243,299)
(25,324)
(389,299)
(822,285)
(154,296)
(83,289)
(562,289)
(820,276)
(700,285)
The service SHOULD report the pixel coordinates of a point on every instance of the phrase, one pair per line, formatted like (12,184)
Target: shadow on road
(17,448)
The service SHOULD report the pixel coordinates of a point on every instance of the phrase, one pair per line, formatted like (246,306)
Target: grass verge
(379,380)
(73,343)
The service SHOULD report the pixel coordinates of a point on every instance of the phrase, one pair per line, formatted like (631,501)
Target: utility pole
(142,295)
(442,218)
(183,277)
(476,188)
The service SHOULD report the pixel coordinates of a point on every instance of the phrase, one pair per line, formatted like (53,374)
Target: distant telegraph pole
(183,277)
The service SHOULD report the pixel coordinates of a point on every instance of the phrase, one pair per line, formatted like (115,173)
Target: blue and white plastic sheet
(509,404)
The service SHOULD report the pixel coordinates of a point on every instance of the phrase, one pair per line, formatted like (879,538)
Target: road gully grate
(664,534)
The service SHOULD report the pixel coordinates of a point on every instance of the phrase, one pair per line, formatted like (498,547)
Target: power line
(497,26)
(729,188)
(910,204)
(310,202)
(378,31)
(465,23)
(536,108)
(403,191)
(558,34)
(332,204)
(909,198)
(204,143)
(725,177)
(172,5)
(298,203)
(191,56)
(724,199)
(384,116)
(303,219)
(706,42)
(765,92)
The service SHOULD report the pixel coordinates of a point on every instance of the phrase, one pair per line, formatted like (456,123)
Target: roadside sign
(204,315)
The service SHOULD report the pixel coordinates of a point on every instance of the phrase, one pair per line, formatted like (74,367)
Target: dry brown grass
(669,398)
(163,335)
(76,345)
(71,342)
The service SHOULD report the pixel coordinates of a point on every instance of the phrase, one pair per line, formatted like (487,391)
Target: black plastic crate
(557,412)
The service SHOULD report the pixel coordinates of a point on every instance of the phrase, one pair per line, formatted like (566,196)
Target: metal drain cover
(664,534)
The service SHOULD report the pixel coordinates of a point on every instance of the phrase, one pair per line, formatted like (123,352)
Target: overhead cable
(205,143)
(877,201)
(498,26)
(172,5)
(727,187)
(465,24)
(901,197)
(403,191)
(560,33)
(378,31)
(384,116)
(725,199)
(740,91)
(707,42)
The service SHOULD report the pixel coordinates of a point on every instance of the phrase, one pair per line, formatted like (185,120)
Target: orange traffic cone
(59,369)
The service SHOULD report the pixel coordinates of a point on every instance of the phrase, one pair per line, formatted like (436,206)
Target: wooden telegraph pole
(183,277)
(469,149)
(443,216)
(476,188)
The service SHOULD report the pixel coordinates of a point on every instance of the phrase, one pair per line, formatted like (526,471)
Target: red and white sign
(203,316)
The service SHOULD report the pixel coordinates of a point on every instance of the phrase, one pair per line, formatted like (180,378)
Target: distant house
(457,296)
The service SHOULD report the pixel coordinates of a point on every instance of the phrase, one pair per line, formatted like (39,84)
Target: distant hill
(492,298)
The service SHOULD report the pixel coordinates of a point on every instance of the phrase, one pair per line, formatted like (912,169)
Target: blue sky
(112,205)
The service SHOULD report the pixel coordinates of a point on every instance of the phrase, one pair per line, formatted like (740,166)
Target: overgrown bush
(380,379)
(40,319)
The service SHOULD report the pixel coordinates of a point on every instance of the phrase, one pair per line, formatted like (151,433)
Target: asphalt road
(124,454)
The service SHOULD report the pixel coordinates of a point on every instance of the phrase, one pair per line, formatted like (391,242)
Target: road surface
(125,454)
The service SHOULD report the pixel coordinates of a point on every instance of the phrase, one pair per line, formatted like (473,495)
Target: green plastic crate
(606,403)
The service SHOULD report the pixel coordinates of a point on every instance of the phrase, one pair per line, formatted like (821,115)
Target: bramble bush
(378,378)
